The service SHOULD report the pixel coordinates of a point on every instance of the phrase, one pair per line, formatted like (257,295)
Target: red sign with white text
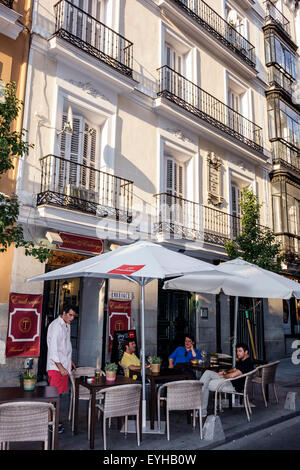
(119,318)
(24,325)
(79,243)
(127,269)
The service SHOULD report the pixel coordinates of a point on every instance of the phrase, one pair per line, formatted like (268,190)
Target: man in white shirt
(59,358)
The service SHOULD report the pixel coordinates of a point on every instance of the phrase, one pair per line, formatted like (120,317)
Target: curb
(260,427)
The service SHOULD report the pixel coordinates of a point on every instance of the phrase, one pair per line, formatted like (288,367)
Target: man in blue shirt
(184,353)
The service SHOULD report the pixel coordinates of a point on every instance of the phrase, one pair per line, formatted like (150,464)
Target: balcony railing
(90,35)
(279,79)
(178,89)
(219,28)
(290,243)
(83,188)
(181,218)
(273,14)
(283,153)
(7,3)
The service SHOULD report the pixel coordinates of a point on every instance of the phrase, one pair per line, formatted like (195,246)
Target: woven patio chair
(119,401)
(181,395)
(84,393)
(266,376)
(244,394)
(26,421)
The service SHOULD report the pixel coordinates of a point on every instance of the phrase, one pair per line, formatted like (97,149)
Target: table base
(147,430)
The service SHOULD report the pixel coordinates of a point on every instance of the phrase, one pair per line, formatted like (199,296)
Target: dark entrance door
(254,327)
(56,294)
(175,319)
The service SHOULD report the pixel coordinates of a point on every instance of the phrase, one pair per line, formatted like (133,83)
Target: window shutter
(70,151)
(89,157)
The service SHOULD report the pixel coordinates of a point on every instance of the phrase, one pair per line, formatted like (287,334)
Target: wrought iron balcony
(7,3)
(285,154)
(279,79)
(219,28)
(180,218)
(83,188)
(90,35)
(183,92)
(274,15)
(290,244)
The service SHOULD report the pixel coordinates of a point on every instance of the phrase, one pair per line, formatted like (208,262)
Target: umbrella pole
(143,354)
(236,309)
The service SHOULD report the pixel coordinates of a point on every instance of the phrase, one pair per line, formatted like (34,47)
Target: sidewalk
(183,437)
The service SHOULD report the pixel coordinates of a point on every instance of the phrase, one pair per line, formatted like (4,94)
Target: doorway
(175,319)
(57,293)
(249,331)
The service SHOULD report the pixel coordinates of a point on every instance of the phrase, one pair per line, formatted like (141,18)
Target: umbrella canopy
(141,262)
(257,282)
(142,259)
(246,280)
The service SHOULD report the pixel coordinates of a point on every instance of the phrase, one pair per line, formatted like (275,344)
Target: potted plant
(111,371)
(155,364)
(213,358)
(29,381)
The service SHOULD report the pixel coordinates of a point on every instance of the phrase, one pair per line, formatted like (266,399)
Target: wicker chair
(25,421)
(122,400)
(245,393)
(266,376)
(84,393)
(181,395)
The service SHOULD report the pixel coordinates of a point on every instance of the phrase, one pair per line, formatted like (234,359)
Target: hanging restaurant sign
(75,242)
(24,325)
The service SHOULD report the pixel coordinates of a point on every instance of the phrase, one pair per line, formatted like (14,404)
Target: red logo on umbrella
(127,269)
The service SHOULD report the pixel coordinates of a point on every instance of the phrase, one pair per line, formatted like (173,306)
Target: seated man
(129,359)
(184,353)
(211,380)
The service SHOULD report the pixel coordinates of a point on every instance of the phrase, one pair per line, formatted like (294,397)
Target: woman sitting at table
(183,354)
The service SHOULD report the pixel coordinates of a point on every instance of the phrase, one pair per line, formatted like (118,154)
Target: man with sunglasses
(183,354)
(59,358)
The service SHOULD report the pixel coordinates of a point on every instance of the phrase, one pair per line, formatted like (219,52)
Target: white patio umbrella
(246,280)
(140,262)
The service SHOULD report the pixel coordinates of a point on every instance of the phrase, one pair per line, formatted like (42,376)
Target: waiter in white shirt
(59,358)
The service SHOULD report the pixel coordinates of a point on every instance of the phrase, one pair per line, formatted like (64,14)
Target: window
(284,122)
(174,177)
(77,173)
(175,187)
(277,52)
(79,20)
(236,21)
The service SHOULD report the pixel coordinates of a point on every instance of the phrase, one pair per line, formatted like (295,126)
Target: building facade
(15,24)
(148,117)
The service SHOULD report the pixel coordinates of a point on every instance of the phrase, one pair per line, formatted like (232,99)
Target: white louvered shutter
(69,173)
(88,177)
